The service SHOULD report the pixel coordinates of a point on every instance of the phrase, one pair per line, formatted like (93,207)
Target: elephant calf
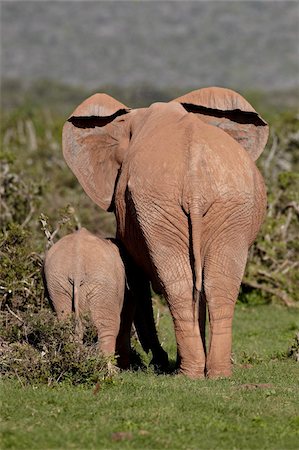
(85,274)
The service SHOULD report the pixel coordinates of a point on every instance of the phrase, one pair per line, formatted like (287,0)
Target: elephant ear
(228,110)
(93,140)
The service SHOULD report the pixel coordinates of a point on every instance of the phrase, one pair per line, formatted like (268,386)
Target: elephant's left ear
(228,110)
(94,141)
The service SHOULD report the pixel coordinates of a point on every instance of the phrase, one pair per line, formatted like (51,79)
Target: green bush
(20,281)
(35,347)
(273,268)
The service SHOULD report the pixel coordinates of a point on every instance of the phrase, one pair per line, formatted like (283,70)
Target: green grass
(264,331)
(258,408)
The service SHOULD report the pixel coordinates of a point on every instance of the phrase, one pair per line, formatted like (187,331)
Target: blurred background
(55,54)
(244,45)
(163,46)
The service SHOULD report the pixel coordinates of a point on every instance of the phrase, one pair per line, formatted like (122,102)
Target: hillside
(245,45)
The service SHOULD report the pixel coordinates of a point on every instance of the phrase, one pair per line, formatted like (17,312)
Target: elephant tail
(76,308)
(196,228)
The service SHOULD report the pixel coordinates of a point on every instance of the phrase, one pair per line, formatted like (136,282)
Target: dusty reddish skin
(86,273)
(251,136)
(188,200)
(90,275)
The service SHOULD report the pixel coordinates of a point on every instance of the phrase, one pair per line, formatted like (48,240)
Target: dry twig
(14,314)
(286,299)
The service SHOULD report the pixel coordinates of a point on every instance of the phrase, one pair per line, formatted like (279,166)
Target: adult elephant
(188,199)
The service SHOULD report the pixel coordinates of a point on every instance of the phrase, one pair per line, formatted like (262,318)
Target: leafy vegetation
(36,348)
(273,266)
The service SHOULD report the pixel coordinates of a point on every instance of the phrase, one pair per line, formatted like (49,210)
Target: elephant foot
(136,361)
(160,361)
(219,373)
(130,360)
(192,371)
(192,375)
(123,364)
(123,358)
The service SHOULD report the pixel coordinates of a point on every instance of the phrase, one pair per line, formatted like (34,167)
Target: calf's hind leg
(61,302)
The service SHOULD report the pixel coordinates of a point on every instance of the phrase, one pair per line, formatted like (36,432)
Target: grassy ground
(258,408)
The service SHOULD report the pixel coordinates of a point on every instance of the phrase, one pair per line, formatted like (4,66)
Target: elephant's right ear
(228,110)
(93,139)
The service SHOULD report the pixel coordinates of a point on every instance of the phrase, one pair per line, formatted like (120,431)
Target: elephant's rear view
(188,199)
(85,274)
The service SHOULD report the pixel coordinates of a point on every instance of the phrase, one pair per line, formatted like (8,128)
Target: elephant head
(97,135)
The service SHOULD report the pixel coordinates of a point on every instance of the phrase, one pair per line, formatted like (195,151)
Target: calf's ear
(93,141)
(228,110)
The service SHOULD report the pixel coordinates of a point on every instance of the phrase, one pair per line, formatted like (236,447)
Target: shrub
(35,347)
(20,281)
(25,234)
(273,267)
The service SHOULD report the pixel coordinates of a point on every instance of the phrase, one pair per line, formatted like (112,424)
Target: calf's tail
(76,306)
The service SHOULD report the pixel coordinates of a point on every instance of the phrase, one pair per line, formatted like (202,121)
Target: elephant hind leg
(145,325)
(65,304)
(223,270)
(169,258)
(62,303)
(178,290)
(105,314)
(123,341)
